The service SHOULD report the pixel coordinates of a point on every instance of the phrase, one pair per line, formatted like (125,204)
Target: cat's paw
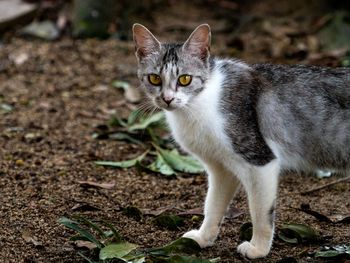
(250,251)
(202,240)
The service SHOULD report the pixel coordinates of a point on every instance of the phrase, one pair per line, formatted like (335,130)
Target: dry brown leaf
(27,236)
(108,186)
(233,212)
(86,244)
(195,211)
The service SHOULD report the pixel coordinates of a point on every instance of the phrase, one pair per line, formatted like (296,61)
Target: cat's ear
(145,42)
(198,44)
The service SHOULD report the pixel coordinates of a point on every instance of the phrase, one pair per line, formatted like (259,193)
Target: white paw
(202,240)
(250,251)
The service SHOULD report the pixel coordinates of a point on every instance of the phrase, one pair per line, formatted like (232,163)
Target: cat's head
(172,75)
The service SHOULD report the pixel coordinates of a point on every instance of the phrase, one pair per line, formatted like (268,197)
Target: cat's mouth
(167,107)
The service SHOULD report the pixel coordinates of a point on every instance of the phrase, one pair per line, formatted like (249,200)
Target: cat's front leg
(261,186)
(222,187)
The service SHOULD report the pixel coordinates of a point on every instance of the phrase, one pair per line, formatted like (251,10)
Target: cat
(245,123)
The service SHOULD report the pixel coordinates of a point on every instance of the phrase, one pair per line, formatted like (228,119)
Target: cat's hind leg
(261,186)
(222,187)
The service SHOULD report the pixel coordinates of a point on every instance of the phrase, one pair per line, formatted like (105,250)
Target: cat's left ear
(198,44)
(145,42)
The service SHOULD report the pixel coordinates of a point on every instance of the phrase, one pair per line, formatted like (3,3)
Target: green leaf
(246,232)
(160,166)
(92,225)
(83,232)
(153,120)
(333,251)
(86,258)
(132,118)
(119,84)
(123,164)
(118,250)
(117,237)
(297,233)
(171,222)
(181,163)
(115,121)
(181,245)
(122,136)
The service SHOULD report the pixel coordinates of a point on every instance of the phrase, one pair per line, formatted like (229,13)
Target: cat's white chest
(199,128)
(199,135)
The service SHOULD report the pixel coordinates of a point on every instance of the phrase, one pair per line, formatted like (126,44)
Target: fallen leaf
(161,166)
(195,211)
(82,232)
(181,163)
(153,120)
(122,136)
(158,211)
(321,217)
(343,219)
(133,116)
(171,222)
(307,209)
(233,212)
(108,186)
(181,245)
(330,252)
(123,164)
(117,251)
(120,84)
(27,236)
(246,232)
(86,244)
(298,233)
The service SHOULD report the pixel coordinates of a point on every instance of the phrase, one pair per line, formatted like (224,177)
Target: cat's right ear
(145,42)
(198,44)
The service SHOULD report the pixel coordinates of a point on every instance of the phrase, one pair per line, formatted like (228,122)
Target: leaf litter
(166,162)
(114,247)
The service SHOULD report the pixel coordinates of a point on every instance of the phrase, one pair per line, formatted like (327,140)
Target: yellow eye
(154,79)
(185,80)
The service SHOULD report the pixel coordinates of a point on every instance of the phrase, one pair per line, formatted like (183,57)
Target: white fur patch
(199,127)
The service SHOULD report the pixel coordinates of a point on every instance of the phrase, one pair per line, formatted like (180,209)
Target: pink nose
(168,100)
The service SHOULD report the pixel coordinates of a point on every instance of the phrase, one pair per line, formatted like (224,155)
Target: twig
(341,180)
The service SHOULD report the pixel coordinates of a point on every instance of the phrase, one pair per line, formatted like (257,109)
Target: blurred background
(312,31)
(68,91)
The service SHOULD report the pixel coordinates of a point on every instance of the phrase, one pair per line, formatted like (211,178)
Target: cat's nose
(168,100)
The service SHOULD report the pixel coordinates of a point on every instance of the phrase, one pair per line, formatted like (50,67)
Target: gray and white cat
(245,123)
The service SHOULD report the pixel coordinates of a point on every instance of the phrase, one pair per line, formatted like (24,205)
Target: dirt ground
(59,95)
